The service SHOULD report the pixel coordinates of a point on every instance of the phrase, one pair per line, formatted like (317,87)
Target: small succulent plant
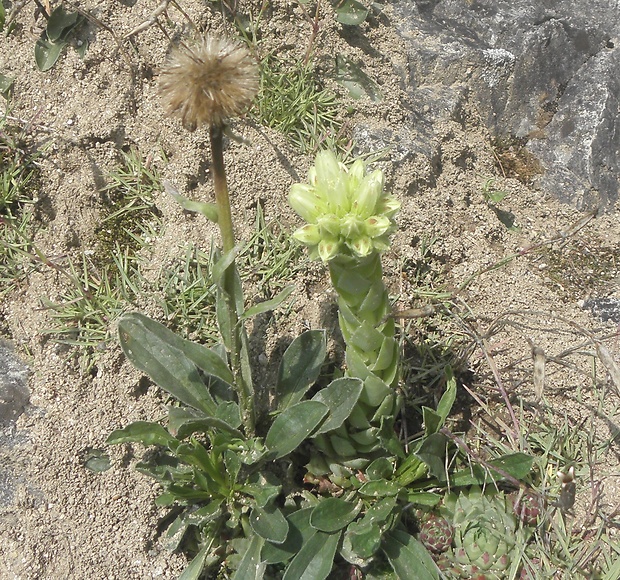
(486,535)
(436,533)
(528,508)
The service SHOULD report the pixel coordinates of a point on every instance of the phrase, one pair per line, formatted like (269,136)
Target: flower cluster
(346,209)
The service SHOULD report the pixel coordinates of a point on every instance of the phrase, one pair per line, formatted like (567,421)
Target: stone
(14,393)
(604,308)
(543,71)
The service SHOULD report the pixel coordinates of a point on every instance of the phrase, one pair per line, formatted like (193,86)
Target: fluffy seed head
(207,84)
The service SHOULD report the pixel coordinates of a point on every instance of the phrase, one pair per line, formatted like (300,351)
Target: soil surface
(64,520)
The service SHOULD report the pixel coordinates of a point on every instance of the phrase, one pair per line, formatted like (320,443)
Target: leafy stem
(231,291)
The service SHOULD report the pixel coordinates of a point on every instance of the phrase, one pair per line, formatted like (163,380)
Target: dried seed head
(212,82)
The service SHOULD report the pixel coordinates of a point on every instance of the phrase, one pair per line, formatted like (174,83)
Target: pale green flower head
(347,211)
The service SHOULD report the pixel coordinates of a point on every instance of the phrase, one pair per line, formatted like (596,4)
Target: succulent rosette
(346,209)
(436,533)
(486,535)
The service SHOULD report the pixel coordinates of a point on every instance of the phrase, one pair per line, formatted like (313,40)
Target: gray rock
(14,393)
(604,308)
(542,70)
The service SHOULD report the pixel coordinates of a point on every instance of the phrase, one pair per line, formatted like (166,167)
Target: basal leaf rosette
(486,535)
(347,211)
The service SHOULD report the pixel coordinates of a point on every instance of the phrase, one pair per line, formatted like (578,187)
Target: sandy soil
(65,521)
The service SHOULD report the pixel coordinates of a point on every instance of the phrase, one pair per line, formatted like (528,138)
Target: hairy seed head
(207,84)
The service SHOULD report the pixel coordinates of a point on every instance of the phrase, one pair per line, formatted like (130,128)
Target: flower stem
(231,290)
(221,189)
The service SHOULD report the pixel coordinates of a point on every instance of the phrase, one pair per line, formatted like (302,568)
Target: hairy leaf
(293,426)
(300,367)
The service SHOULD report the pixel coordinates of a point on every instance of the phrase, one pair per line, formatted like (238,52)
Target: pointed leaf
(196,566)
(516,465)
(209,210)
(315,559)
(268,305)
(143,432)
(205,424)
(173,362)
(447,399)
(60,23)
(433,452)
(269,523)
(333,514)
(380,488)
(340,396)
(251,567)
(5,84)
(408,557)
(300,367)
(293,426)
(46,53)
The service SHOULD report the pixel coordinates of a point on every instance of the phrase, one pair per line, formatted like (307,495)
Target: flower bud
(305,202)
(328,249)
(310,235)
(330,224)
(376,226)
(361,246)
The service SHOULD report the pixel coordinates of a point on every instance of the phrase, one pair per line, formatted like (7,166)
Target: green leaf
(60,23)
(432,452)
(269,523)
(447,399)
(143,432)
(380,488)
(362,540)
(96,460)
(425,498)
(205,424)
(196,566)
(380,468)
(264,487)
(340,397)
(314,560)
(516,465)
(299,532)
(252,567)
(6,84)
(300,367)
(223,263)
(268,305)
(351,12)
(2,16)
(355,80)
(173,362)
(209,210)
(333,514)
(293,426)
(408,557)
(46,53)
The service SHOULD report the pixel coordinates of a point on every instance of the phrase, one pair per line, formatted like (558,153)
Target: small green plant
(129,217)
(58,34)
(292,102)
(18,182)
